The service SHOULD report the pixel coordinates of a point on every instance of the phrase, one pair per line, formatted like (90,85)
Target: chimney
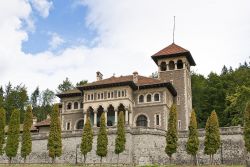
(98,76)
(34,120)
(135,77)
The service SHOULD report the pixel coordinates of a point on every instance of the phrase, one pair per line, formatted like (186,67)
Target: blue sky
(66,19)
(44,41)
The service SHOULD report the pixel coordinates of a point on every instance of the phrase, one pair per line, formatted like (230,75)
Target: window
(81,105)
(157,97)
(179,124)
(88,97)
(98,96)
(108,95)
(149,98)
(157,121)
(102,96)
(92,96)
(119,94)
(171,65)
(80,124)
(75,105)
(179,64)
(141,99)
(163,66)
(69,106)
(112,94)
(142,121)
(178,100)
(123,93)
(67,125)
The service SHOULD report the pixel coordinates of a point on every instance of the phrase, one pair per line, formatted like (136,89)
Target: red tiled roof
(170,50)
(142,80)
(45,122)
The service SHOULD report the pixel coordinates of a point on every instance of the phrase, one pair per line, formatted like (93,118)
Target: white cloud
(129,32)
(55,41)
(42,6)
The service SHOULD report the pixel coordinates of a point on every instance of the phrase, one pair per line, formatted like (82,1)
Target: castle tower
(174,66)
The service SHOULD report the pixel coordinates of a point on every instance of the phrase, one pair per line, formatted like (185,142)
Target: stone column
(175,66)
(116,113)
(85,116)
(130,119)
(106,116)
(126,116)
(95,118)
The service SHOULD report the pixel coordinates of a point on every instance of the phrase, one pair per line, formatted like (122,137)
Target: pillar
(116,113)
(175,66)
(106,116)
(95,118)
(130,119)
(126,116)
(85,117)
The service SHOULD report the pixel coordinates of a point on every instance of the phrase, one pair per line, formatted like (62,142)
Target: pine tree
(171,137)
(212,136)
(13,135)
(2,132)
(87,139)
(26,136)
(120,138)
(247,128)
(55,136)
(102,139)
(193,140)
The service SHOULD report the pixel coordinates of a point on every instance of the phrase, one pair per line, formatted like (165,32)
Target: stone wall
(143,146)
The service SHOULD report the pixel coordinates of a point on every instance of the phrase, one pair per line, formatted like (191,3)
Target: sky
(44,41)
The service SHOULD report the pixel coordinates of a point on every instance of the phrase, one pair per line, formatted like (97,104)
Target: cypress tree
(13,135)
(193,140)
(212,136)
(171,137)
(87,139)
(2,132)
(26,136)
(247,128)
(120,138)
(55,136)
(102,139)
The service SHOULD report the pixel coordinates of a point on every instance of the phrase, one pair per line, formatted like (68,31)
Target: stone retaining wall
(143,146)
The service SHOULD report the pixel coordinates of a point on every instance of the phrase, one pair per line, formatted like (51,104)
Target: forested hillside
(227,93)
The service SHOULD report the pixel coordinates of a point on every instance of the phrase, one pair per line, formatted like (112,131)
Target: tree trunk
(84,159)
(118,159)
(212,159)
(24,160)
(170,159)
(101,161)
(10,159)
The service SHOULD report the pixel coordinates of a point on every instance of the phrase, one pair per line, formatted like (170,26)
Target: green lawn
(61,165)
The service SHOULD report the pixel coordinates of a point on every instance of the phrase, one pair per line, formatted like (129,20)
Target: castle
(145,101)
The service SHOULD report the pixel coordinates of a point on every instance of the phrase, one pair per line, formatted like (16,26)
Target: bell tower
(174,66)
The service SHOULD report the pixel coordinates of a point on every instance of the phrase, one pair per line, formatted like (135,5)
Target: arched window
(141,99)
(163,66)
(171,65)
(157,97)
(69,106)
(80,124)
(179,64)
(75,105)
(142,121)
(149,98)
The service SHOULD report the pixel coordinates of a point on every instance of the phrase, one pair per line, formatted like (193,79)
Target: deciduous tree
(247,130)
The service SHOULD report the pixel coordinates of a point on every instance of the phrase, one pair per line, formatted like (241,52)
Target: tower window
(163,66)
(142,121)
(141,99)
(157,97)
(179,124)
(178,100)
(171,65)
(149,98)
(179,64)
(157,120)
(75,105)
(68,126)
(69,106)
